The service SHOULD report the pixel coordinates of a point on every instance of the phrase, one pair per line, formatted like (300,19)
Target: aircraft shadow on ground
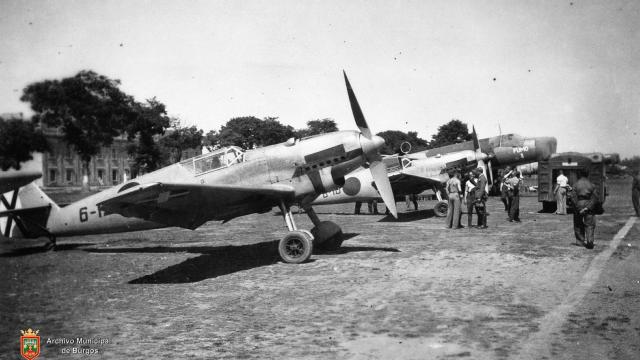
(410,216)
(42,249)
(218,261)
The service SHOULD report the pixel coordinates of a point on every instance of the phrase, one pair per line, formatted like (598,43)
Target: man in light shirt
(561,194)
(470,196)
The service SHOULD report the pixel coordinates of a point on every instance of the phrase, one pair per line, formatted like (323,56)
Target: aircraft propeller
(480,157)
(371,145)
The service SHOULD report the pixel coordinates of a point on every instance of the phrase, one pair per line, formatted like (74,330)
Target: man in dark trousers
(635,192)
(584,219)
(513,182)
(470,196)
(481,197)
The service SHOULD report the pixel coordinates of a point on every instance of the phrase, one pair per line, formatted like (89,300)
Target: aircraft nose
(378,141)
(371,146)
(545,146)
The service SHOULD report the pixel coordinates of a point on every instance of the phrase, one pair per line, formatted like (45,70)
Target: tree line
(91,110)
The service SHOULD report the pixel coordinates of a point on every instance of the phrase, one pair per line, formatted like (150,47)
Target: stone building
(62,166)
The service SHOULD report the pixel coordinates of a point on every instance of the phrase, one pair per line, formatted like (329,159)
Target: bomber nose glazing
(545,146)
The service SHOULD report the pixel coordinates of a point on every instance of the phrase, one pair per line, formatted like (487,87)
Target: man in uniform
(504,194)
(584,220)
(454,193)
(561,194)
(635,192)
(481,198)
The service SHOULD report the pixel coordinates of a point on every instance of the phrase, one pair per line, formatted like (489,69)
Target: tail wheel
(296,247)
(441,209)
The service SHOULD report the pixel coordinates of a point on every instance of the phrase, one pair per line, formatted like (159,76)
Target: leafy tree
(18,139)
(394,138)
(316,127)
(147,121)
(631,163)
(180,138)
(250,132)
(210,140)
(89,108)
(455,131)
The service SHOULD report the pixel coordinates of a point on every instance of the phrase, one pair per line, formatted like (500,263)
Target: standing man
(372,206)
(584,219)
(561,194)
(513,184)
(481,198)
(357,208)
(454,192)
(504,197)
(411,199)
(635,191)
(470,196)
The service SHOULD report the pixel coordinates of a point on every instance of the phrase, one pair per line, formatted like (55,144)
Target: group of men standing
(474,196)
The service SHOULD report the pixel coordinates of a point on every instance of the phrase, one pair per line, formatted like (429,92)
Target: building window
(114,176)
(69,154)
(100,177)
(70,176)
(52,175)
(114,154)
(127,174)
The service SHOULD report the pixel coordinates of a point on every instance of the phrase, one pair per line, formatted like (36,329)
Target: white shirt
(469,186)
(562,180)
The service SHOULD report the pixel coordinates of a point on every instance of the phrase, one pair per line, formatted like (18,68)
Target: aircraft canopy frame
(215,160)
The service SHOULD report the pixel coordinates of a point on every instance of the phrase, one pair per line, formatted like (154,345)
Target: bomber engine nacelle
(524,153)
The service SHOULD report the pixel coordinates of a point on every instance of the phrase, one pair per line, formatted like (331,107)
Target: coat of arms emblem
(30,344)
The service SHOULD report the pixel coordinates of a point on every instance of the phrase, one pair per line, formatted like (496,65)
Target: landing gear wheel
(441,208)
(327,235)
(295,247)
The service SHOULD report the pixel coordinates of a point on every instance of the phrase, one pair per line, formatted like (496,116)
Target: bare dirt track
(406,289)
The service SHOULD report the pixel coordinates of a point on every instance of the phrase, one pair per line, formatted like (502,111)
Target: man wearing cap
(481,197)
(584,218)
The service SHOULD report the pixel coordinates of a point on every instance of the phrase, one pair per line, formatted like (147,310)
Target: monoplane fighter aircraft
(222,185)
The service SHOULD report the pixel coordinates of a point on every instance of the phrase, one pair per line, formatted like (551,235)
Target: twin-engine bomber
(221,185)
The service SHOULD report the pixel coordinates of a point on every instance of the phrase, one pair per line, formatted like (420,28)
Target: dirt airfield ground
(405,289)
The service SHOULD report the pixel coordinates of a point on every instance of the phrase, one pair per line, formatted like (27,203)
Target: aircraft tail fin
(24,212)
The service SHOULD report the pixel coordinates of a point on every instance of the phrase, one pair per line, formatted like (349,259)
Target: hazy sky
(569,69)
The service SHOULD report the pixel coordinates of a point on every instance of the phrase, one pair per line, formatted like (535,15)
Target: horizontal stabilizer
(13,180)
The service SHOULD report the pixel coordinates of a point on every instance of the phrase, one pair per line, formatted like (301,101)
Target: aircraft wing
(191,205)
(406,184)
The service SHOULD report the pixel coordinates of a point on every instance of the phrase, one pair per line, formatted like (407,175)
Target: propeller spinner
(371,145)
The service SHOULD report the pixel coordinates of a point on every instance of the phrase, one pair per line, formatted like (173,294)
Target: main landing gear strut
(441,208)
(296,247)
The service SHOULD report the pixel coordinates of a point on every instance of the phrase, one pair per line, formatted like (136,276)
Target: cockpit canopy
(214,160)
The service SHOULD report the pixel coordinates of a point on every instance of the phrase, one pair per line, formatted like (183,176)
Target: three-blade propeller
(371,145)
(480,157)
